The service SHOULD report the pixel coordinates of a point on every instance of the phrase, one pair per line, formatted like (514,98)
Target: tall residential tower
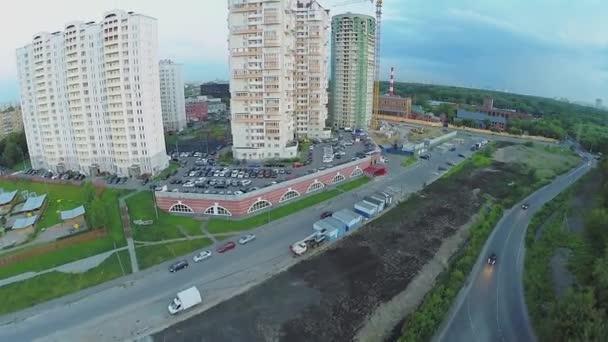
(275,61)
(352,70)
(172,98)
(90,96)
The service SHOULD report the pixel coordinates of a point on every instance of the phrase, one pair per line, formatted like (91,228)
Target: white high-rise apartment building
(90,96)
(312,43)
(172,97)
(352,71)
(264,84)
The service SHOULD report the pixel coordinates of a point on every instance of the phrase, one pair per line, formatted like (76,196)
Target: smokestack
(391,89)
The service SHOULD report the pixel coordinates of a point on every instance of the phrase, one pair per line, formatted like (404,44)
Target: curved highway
(491,306)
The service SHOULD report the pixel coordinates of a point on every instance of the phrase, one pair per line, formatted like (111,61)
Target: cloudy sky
(554,48)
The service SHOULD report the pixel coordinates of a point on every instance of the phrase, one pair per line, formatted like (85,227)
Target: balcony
(245,30)
(240,8)
(242,73)
(245,52)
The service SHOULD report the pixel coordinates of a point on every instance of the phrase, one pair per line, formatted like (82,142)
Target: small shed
(366,209)
(74,217)
(329,224)
(7,199)
(33,203)
(351,219)
(25,226)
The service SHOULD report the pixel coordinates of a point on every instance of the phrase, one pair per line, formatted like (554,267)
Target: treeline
(582,313)
(553,118)
(13,149)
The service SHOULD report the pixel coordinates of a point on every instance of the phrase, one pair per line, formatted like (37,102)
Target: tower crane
(376,99)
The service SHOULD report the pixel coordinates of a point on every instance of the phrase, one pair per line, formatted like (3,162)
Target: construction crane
(376,99)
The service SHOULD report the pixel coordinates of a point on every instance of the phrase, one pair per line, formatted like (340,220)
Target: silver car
(246,239)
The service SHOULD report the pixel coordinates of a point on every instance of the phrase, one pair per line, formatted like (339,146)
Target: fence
(49,247)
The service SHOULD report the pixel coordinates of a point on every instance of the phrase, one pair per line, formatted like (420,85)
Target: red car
(226,247)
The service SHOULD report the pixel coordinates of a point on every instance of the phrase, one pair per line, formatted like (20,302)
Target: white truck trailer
(185,300)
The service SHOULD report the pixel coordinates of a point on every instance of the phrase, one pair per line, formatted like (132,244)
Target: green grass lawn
(408,161)
(52,285)
(167,226)
(217,225)
(148,256)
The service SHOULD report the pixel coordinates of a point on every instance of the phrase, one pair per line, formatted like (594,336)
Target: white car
(188,185)
(245,182)
(202,256)
(246,239)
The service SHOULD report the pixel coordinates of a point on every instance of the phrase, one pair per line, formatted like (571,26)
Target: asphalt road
(491,306)
(136,305)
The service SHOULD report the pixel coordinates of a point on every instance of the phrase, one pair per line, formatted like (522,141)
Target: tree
(97,213)
(89,192)
(11,154)
(600,275)
(575,318)
(595,230)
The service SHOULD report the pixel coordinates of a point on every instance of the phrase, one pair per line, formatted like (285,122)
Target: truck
(309,243)
(184,300)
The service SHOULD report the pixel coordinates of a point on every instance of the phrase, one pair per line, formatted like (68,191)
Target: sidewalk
(126,226)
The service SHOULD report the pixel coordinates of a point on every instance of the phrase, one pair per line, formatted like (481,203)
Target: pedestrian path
(126,225)
(79,266)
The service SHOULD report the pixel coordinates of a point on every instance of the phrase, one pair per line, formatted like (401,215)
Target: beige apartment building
(10,121)
(90,96)
(269,74)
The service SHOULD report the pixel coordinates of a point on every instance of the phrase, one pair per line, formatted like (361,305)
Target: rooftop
(73,213)
(7,197)
(25,222)
(33,203)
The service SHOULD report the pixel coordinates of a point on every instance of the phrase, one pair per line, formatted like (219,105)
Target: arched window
(356,172)
(315,187)
(180,208)
(259,205)
(221,211)
(217,210)
(291,194)
(337,179)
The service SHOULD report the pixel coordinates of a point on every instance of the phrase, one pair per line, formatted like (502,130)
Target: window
(337,179)
(356,172)
(180,208)
(217,211)
(315,186)
(290,194)
(259,205)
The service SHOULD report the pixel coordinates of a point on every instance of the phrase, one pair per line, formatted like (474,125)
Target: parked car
(203,255)
(326,214)
(180,265)
(246,239)
(461,155)
(525,206)
(451,163)
(226,247)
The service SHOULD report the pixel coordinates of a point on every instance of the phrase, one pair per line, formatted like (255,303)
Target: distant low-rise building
(395,105)
(216,89)
(199,108)
(489,117)
(10,121)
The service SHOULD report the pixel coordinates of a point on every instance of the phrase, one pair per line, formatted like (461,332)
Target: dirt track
(329,297)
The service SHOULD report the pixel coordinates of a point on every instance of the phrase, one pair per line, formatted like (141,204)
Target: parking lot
(200,172)
(47,174)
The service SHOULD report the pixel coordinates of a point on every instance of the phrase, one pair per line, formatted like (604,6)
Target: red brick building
(395,105)
(272,196)
(196,110)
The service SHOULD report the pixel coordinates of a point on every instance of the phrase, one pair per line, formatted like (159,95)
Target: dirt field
(330,296)
(547,160)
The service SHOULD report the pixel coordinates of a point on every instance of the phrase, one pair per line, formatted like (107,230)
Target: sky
(552,48)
